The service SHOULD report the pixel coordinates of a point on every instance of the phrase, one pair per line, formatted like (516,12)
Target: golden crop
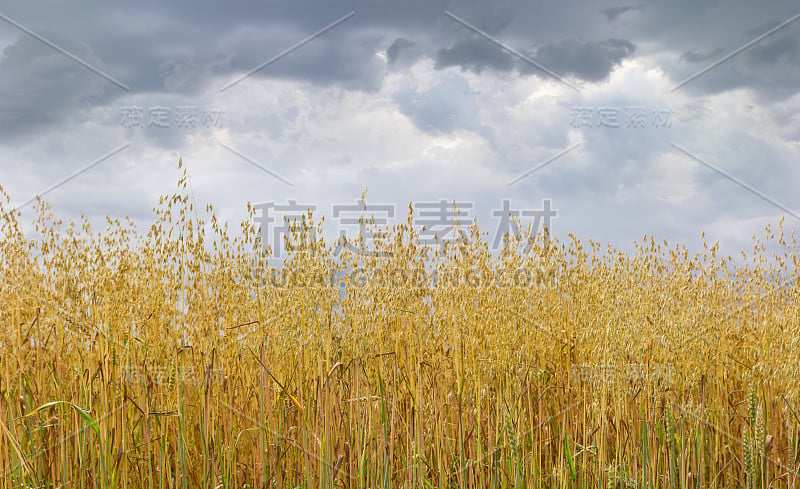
(178,360)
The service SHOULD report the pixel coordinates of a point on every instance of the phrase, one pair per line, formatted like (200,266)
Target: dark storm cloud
(346,58)
(402,53)
(613,13)
(694,56)
(768,68)
(187,48)
(393,53)
(590,61)
(40,87)
(163,51)
(475,55)
(784,48)
(733,38)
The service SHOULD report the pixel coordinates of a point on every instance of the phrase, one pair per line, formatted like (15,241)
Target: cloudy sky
(663,118)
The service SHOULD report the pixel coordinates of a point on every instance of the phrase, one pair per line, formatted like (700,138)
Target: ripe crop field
(173,360)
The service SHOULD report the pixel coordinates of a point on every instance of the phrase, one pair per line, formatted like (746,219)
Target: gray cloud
(613,13)
(402,53)
(400,44)
(40,87)
(185,47)
(704,34)
(476,55)
(590,61)
(443,108)
(783,48)
(346,58)
(694,56)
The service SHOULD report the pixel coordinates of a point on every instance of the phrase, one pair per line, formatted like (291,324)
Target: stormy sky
(626,119)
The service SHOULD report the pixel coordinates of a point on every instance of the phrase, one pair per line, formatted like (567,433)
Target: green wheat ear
(751,406)
(172,374)
(760,433)
(748,456)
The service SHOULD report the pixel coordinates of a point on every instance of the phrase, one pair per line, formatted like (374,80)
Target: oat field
(177,359)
